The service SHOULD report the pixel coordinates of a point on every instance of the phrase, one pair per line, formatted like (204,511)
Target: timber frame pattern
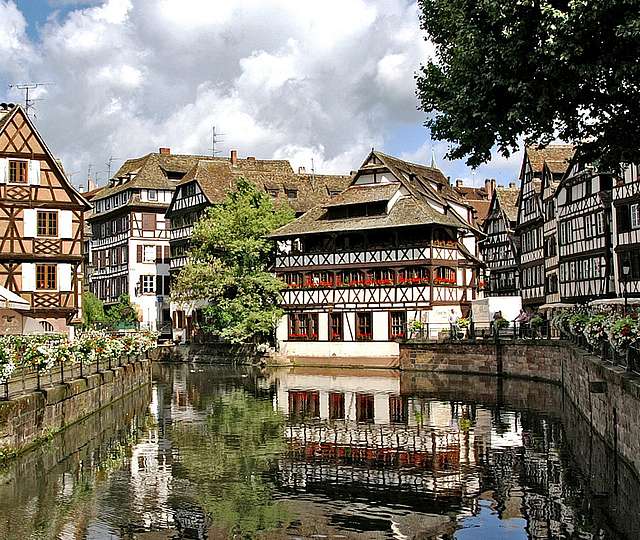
(20,245)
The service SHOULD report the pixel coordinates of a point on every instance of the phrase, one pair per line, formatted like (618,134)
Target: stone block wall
(26,419)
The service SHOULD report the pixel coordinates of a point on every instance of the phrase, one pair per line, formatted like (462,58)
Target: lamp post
(626,268)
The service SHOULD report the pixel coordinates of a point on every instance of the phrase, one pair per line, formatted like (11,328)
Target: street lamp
(626,268)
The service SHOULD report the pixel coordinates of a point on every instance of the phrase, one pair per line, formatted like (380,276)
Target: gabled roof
(10,111)
(557,154)
(508,200)
(367,193)
(216,176)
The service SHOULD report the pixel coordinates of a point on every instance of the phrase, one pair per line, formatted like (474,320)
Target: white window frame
(148,284)
(635,216)
(146,250)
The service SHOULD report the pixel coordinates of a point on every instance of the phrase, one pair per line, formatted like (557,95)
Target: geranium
(595,330)
(577,322)
(623,332)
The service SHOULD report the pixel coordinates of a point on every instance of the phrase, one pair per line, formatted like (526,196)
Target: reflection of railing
(26,380)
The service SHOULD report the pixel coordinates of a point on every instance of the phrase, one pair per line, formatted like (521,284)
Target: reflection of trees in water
(228,459)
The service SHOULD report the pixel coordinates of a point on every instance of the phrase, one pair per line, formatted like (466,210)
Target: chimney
(165,151)
(92,184)
(301,170)
(234,157)
(459,182)
(512,185)
(489,187)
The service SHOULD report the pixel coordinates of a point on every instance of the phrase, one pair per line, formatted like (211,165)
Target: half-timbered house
(209,181)
(626,232)
(41,232)
(499,249)
(585,266)
(397,246)
(130,237)
(531,217)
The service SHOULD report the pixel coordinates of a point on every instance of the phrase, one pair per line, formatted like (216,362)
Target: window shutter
(65,225)
(166,290)
(64,277)
(139,253)
(4,170)
(167,254)
(28,276)
(158,285)
(34,172)
(624,221)
(29,220)
(158,254)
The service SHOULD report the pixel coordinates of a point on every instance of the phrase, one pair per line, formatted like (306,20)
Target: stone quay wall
(607,396)
(33,417)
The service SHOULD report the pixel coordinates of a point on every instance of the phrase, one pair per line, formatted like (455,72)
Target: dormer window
(273,192)
(292,193)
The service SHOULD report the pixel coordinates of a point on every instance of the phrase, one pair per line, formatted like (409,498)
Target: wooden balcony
(371,256)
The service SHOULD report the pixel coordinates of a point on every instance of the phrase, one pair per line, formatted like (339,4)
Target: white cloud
(297,79)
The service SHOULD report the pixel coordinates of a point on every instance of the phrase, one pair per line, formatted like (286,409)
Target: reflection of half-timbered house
(584,233)
(41,231)
(130,241)
(626,229)
(499,248)
(392,248)
(530,223)
(208,182)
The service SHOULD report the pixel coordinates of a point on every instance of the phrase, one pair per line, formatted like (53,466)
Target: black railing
(25,380)
(474,331)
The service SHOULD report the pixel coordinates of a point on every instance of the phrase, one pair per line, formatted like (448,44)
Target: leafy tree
(124,312)
(92,309)
(538,69)
(229,266)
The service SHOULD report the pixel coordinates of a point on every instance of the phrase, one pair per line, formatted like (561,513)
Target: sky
(312,82)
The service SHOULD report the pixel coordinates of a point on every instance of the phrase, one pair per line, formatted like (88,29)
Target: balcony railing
(445,252)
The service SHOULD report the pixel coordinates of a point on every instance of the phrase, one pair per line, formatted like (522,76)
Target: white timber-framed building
(397,246)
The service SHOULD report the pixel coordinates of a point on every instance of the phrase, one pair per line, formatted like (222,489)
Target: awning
(558,305)
(614,302)
(10,300)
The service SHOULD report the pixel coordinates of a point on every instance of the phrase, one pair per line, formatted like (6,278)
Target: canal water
(226,452)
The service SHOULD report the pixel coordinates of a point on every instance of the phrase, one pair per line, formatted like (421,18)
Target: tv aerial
(26,88)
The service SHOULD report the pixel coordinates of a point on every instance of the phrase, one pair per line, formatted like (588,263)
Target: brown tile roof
(407,211)
(559,154)
(508,200)
(217,176)
(367,193)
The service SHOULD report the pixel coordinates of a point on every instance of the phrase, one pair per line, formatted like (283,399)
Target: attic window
(333,193)
(175,175)
(292,193)
(272,192)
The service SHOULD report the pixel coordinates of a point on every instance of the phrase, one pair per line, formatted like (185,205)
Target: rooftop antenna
(313,172)
(109,163)
(27,87)
(215,139)
(89,177)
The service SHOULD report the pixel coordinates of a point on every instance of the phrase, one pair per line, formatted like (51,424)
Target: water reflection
(211,453)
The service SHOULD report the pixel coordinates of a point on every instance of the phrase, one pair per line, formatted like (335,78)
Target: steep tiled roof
(508,199)
(217,176)
(559,154)
(367,193)
(406,212)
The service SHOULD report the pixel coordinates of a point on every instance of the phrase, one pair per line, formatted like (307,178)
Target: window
(445,276)
(48,224)
(635,216)
(303,326)
(336,332)
(152,194)
(383,276)
(273,192)
(147,285)
(148,222)
(18,171)
(293,279)
(365,408)
(397,324)
(149,254)
(292,193)
(336,406)
(304,404)
(416,275)
(46,277)
(364,327)
(350,278)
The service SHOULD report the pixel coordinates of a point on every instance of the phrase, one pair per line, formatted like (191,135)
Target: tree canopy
(229,266)
(533,69)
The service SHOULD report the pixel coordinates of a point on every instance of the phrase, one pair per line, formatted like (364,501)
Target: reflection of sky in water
(487,525)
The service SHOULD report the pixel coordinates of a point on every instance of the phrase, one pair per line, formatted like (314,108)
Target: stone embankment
(33,417)
(607,396)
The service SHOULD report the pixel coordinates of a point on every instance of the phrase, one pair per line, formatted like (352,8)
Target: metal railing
(481,331)
(629,359)
(33,379)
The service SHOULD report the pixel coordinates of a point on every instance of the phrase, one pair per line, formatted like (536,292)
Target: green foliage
(227,459)
(229,266)
(501,323)
(122,313)
(92,309)
(506,69)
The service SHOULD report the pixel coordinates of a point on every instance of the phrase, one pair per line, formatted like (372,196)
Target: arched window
(445,276)
(47,327)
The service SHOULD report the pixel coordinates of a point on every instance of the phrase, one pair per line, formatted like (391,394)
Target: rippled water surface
(210,452)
